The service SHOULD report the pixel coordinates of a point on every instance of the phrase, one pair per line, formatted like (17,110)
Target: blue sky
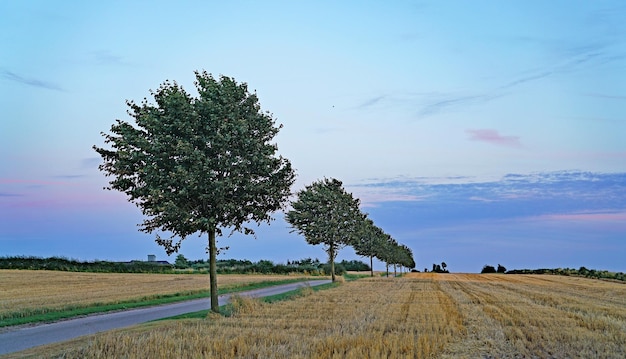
(476,133)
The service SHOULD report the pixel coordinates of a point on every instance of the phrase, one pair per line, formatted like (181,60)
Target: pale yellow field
(27,290)
(422,315)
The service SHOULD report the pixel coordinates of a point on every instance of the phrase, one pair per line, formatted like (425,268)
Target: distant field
(24,292)
(422,315)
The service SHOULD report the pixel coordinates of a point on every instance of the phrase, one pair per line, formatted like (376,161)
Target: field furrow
(531,317)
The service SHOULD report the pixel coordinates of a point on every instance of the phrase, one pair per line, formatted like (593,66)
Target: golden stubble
(423,315)
(33,291)
(374,318)
(538,316)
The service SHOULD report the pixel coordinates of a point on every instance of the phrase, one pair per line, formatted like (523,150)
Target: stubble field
(421,315)
(27,292)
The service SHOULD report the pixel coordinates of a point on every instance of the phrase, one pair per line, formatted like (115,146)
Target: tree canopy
(325,213)
(198,164)
(369,241)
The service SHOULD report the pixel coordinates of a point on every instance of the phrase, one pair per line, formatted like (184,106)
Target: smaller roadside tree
(387,252)
(181,262)
(369,241)
(405,257)
(501,269)
(326,214)
(488,269)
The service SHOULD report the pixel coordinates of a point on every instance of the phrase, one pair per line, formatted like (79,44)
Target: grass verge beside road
(227,309)
(40,315)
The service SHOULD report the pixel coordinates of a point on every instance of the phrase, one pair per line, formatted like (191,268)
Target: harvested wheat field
(30,291)
(418,316)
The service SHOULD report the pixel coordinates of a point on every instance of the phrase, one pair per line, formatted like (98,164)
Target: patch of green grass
(44,315)
(226,310)
(351,276)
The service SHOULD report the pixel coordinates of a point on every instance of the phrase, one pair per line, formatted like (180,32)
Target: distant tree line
(439,268)
(492,269)
(306,266)
(73,265)
(581,272)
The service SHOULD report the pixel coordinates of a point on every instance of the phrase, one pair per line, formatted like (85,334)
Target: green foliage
(181,262)
(370,241)
(197,165)
(440,268)
(488,269)
(338,267)
(582,272)
(72,265)
(305,266)
(324,213)
(354,265)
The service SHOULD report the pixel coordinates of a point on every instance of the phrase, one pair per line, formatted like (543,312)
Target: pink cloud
(493,137)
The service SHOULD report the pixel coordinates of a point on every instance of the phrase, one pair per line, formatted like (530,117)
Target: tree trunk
(331,253)
(371,266)
(215,307)
(395,273)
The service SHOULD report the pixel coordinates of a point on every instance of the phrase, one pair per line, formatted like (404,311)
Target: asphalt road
(24,338)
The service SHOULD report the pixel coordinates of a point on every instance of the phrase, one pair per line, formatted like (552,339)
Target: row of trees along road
(198,165)
(325,213)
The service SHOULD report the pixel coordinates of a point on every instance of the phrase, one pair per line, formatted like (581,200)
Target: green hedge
(225,266)
(581,272)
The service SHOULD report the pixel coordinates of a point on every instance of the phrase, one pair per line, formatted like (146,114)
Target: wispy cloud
(34,182)
(493,137)
(525,78)
(511,195)
(370,102)
(481,199)
(5,194)
(69,177)
(106,57)
(448,102)
(373,196)
(90,163)
(11,76)
(605,96)
(570,58)
(597,217)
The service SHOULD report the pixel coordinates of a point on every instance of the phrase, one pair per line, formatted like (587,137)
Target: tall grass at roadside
(45,295)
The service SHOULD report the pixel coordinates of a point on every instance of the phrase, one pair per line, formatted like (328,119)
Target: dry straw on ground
(419,316)
(27,291)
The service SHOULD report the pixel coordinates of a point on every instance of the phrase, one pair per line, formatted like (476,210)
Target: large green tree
(324,213)
(197,165)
